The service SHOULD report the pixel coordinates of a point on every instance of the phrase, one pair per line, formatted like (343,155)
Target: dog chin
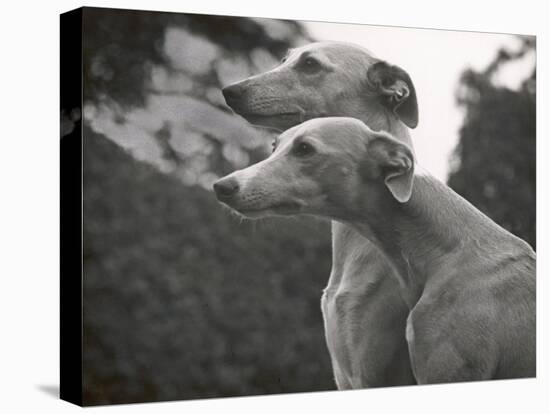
(280,209)
(280,122)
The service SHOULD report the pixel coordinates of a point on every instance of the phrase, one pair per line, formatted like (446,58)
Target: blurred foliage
(181,299)
(121,47)
(495,161)
(152,84)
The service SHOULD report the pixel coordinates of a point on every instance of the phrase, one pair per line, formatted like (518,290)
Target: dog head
(325,79)
(332,167)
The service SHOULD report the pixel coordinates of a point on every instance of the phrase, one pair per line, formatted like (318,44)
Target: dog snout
(232,93)
(226,188)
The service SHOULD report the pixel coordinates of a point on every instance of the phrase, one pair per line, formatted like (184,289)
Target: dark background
(184,300)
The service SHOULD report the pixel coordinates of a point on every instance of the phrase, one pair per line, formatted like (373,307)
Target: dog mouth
(276,119)
(278,116)
(283,208)
(260,115)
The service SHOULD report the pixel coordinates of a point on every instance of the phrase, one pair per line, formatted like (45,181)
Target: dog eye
(303,149)
(273,145)
(311,65)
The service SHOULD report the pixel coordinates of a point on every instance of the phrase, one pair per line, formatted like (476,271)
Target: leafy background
(182,299)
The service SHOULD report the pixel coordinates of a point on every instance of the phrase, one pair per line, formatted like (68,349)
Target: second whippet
(363,311)
(469,284)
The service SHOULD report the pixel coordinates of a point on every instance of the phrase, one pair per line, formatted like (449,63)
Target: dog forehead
(331,124)
(336,50)
(288,135)
(337,132)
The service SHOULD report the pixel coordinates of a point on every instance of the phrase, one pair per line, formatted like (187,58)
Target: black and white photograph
(276,206)
(314,212)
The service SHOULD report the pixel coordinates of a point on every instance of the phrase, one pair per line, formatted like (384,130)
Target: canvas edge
(71,210)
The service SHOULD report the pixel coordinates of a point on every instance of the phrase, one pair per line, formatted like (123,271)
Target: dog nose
(232,93)
(226,188)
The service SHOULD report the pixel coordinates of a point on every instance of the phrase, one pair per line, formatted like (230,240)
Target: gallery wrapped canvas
(255,206)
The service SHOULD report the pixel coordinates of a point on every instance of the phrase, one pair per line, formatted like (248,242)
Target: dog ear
(396,164)
(396,89)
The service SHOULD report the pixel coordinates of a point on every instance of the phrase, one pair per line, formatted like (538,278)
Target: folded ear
(396,90)
(396,163)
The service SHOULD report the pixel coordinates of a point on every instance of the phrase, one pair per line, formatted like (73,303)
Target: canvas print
(255,206)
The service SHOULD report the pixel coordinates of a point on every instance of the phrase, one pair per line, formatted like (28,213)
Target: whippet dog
(469,284)
(363,311)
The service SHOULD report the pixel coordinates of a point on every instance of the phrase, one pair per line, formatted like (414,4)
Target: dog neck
(419,237)
(344,238)
(386,121)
